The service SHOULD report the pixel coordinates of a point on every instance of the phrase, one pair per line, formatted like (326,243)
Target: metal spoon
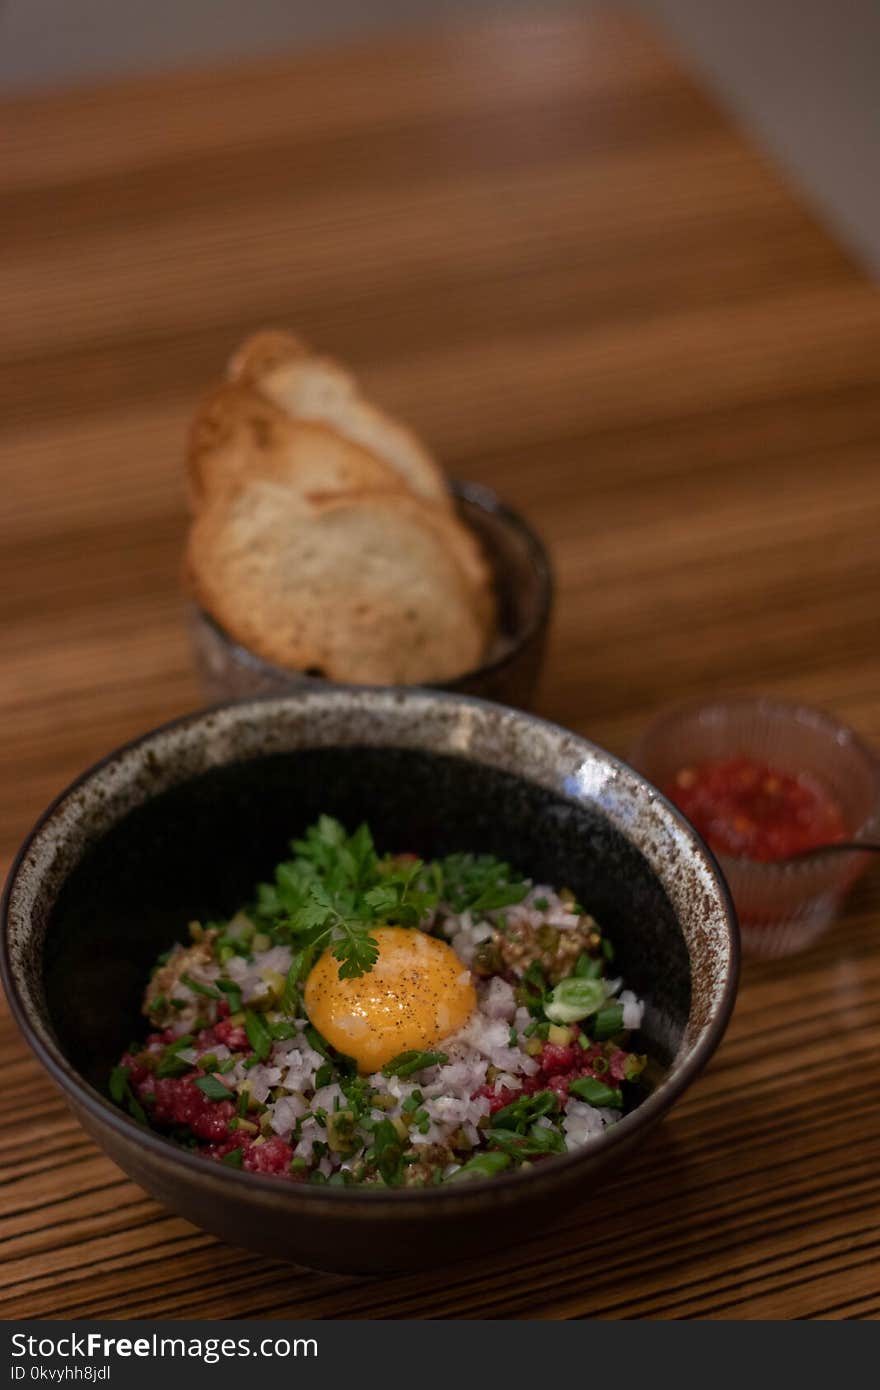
(838,847)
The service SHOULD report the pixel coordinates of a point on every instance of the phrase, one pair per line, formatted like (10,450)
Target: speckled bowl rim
(683,1070)
(488,501)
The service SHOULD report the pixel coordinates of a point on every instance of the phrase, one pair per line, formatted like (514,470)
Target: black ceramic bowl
(182,823)
(523,581)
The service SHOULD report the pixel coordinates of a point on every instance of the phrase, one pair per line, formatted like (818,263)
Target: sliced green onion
(608,1021)
(197,987)
(574,999)
(588,967)
(233,994)
(540,1139)
(406,1063)
(172,1065)
(258,1034)
(525,1109)
(233,1159)
(596,1092)
(316,1042)
(136,1110)
(485,1165)
(212,1088)
(388,1152)
(118,1084)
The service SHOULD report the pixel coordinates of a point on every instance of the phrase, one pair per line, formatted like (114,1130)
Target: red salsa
(749,810)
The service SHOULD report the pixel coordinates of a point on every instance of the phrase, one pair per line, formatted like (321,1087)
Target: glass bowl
(509,674)
(783,906)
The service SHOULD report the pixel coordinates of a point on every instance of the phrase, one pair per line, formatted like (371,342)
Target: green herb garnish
(524,1111)
(596,1092)
(574,999)
(336,890)
(209,991)
(233,994)
(118,1084)
(608,1021)
(213,1089)
(258,1034)
(332,895)
(120,1090)
(589,967)
(484,1165)
(387,1152)
(406,1063)
(540,1139)
(479,883)
(170,1064)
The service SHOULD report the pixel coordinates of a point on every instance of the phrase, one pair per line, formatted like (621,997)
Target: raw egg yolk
(417,994)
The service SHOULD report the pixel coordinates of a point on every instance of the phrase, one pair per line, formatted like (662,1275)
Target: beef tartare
(384,1020)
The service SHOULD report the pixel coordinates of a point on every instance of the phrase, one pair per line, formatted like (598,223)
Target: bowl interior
(197,849)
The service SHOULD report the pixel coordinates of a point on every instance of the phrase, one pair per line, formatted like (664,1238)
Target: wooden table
(542,244)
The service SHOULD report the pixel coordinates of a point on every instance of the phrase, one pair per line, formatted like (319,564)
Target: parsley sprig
(479,883)
(336,889)
(334,893)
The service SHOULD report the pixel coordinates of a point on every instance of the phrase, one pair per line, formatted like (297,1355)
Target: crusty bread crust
(262,352)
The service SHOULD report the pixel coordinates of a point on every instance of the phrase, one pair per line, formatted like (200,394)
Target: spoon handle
(838,847)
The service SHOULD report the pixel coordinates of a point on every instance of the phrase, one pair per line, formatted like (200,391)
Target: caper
(487,958)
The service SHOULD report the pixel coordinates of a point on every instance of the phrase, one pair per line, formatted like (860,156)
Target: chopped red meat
(179,1101)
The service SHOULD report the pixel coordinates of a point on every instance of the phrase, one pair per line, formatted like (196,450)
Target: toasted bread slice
(361,589)
(456,539)
(238,434)
(316,388)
